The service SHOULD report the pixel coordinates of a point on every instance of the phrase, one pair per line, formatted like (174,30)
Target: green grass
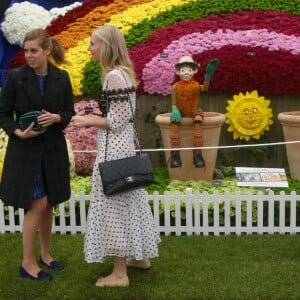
(195,267)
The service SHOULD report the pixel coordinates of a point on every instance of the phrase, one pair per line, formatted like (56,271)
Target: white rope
(203,148)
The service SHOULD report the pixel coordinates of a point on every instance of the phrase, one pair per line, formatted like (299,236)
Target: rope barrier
(203,148)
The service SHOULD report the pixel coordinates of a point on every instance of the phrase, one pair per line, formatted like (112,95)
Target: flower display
(3,146)
(57,12)
(120,13)
(71,159)
(248,116)
(83,140)
(20,18)
(157,74)
(24,16)
(256,41)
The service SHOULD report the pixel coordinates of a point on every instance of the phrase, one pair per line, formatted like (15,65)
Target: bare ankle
(119,274)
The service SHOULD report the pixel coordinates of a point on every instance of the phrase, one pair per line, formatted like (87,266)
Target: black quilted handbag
(126,174)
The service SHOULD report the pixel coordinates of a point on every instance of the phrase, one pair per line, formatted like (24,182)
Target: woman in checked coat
(36,166)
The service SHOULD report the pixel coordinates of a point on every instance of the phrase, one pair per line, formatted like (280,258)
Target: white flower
(61,11)
(22,17)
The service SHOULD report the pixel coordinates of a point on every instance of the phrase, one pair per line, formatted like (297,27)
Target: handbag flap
(115,170)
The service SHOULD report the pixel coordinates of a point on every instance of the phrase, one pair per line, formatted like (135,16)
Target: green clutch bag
(29,117)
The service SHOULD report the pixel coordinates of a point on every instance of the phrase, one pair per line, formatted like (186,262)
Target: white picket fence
(205,214)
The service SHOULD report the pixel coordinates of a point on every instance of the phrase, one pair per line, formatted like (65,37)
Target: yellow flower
(138,13)
(77,58)
(248,116)
(127,15)
(71,159)
(3,145)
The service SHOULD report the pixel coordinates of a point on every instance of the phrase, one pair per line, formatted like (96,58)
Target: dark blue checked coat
(21,94)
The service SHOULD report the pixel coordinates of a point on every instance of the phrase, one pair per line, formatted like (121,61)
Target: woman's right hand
(28,132)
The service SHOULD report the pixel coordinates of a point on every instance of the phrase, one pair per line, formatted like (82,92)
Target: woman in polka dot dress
(120,226)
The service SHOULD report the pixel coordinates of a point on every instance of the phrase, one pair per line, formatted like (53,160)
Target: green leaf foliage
(91,82)
(194,10)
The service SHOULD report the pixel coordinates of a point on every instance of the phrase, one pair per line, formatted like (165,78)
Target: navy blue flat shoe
(41,276)
(54,265)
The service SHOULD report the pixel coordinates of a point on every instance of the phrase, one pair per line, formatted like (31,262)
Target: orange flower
(187,95)
(100,15)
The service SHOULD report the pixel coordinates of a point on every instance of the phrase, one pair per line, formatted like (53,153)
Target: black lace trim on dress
(119,94)
(113,95)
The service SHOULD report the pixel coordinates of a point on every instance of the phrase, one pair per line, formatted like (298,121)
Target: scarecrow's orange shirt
(187,95)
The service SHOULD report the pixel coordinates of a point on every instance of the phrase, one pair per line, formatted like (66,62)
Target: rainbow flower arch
(256,41)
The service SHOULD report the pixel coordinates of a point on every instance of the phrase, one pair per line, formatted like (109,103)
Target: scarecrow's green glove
(175,115)
(211,68)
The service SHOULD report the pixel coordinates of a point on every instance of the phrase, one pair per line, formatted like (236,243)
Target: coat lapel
(30,84)
(51,88)
(31,87)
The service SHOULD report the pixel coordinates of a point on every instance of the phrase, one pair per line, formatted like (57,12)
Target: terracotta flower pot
(290,122)
(212,125)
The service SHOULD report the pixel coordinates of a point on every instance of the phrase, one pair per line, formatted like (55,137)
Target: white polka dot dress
(120,225)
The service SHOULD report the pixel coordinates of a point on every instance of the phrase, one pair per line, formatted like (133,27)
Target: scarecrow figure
(185,103)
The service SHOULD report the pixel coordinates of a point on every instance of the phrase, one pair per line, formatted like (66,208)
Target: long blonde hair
(45,41)
(113,51)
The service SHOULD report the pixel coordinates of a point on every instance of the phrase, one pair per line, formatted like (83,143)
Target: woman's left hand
(90,121)
(81,121)
(47,118)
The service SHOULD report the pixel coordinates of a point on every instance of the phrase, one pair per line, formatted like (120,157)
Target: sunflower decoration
(248,116)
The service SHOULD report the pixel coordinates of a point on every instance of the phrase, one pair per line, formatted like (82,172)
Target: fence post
(199,209)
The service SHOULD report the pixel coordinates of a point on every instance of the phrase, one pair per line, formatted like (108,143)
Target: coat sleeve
(68,110)
(7,105)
